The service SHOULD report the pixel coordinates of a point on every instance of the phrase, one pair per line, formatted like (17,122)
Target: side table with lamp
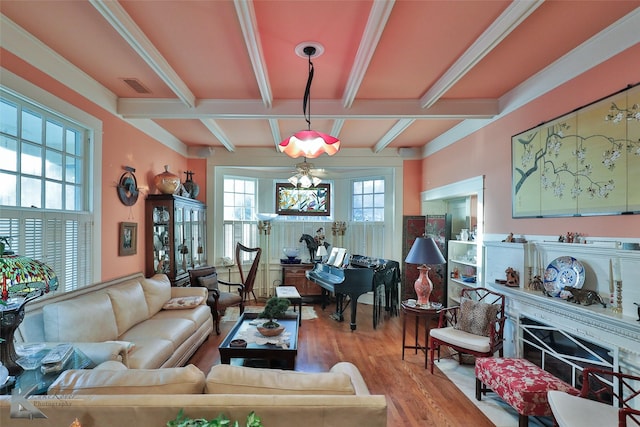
(23,279)
(424,252)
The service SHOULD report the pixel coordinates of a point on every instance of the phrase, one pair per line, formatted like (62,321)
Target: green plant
(274,309)
(221,421)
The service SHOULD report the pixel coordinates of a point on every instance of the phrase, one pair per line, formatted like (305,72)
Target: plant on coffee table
(274,308)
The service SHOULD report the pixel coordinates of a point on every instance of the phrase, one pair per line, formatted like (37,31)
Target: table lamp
(22,279)
(424,252)
(321,252)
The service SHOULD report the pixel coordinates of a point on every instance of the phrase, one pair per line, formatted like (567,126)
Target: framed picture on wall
(128,242)
(313,201)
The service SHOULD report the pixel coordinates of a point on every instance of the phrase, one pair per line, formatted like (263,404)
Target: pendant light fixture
(309,143)
(303,177)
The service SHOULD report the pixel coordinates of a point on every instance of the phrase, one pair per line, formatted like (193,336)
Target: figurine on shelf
(580,295)
(536,283)
(513,278)
(509,238)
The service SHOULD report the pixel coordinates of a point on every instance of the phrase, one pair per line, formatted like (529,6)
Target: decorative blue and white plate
(563,272)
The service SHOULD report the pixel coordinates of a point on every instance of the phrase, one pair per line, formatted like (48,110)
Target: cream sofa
(112,395)
(132,319)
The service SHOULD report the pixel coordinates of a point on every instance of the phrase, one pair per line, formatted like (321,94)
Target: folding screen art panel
(586,162)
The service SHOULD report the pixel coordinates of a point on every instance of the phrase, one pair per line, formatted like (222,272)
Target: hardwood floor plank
(414,396)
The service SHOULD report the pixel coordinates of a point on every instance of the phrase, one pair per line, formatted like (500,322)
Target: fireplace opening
(562,354)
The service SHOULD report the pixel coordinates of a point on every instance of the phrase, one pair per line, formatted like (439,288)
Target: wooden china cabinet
(175,236)
(295,275)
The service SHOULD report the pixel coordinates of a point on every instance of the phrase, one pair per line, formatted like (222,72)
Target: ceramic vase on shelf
(166,182)
(464,234)
(190,186)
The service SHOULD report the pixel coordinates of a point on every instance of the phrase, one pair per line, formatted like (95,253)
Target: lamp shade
(322,251)
(24,277)
(425,252)
(310,144)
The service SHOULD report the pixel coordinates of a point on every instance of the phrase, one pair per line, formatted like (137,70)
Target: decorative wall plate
(563,272)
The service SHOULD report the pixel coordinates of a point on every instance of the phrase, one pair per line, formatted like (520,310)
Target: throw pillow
(475,317)
(180,303)
(210,282)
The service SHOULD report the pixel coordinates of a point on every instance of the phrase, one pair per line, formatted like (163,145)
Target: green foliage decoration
(274,308)
(220,421)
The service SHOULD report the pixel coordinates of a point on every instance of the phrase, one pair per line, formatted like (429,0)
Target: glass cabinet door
(161,239)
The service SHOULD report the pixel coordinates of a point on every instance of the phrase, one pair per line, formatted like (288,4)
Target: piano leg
(337,316)
(354,305)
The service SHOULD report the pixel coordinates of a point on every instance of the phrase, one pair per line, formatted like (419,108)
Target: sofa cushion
(150,353)
(227,379)
(475,317)
(181,303)
(87,318)
(157,291)
(186,380)
(129,305)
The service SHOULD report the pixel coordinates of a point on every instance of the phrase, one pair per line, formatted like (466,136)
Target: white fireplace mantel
(617,331)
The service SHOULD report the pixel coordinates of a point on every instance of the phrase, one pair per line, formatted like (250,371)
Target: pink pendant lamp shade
(309,143)
(424,252)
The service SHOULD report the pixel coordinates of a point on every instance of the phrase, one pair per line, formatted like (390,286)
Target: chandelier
(309,143)
(303,177)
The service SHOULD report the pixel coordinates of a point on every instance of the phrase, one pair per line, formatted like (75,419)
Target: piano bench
(292,294)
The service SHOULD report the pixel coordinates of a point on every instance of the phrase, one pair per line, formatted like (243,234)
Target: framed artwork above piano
(295,275)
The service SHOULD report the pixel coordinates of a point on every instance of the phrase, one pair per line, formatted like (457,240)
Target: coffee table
(279,352)
(33,381)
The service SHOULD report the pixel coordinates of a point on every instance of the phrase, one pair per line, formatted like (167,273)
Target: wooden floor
(414,396)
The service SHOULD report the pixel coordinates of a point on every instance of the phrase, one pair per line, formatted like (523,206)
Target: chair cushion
(570,411)
(227,298)
(227,379)
(456,337)
(475,317)
(210,281)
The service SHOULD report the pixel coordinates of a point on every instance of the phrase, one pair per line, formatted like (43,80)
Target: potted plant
(221,421)
(274,308)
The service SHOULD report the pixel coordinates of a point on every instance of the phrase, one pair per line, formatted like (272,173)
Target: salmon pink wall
(488,152)
(122,145)
(411,182)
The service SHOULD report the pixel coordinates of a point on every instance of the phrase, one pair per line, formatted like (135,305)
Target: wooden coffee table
(280,355)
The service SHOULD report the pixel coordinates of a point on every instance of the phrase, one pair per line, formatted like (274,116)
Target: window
(44,165)
(367,200)
(239,214)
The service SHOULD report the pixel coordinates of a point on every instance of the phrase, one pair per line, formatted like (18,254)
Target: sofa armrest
(353,372)
(190,292)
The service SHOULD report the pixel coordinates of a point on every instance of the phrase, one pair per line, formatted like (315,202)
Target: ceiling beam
(247,17)
(275,132)
(508,21)
(218,133)
(120,20)
(323,109)
(376,23)
(393,133)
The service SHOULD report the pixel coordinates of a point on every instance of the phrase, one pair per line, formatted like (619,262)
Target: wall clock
(128,187)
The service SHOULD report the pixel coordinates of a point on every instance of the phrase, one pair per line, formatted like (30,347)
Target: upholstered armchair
(218,300)
(606,399)
(475,327)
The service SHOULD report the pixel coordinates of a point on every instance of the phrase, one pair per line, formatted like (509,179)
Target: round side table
(427,315)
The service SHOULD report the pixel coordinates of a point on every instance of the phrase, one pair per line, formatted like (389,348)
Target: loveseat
(142,322)
(112,395)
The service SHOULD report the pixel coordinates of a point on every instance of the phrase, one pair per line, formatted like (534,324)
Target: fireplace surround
(612,337)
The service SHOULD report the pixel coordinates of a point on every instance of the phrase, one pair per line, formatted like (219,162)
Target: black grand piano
(363,274)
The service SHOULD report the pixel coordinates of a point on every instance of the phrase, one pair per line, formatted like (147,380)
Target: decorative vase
(190,186)
(166,182)
(464,234)
(270,332)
